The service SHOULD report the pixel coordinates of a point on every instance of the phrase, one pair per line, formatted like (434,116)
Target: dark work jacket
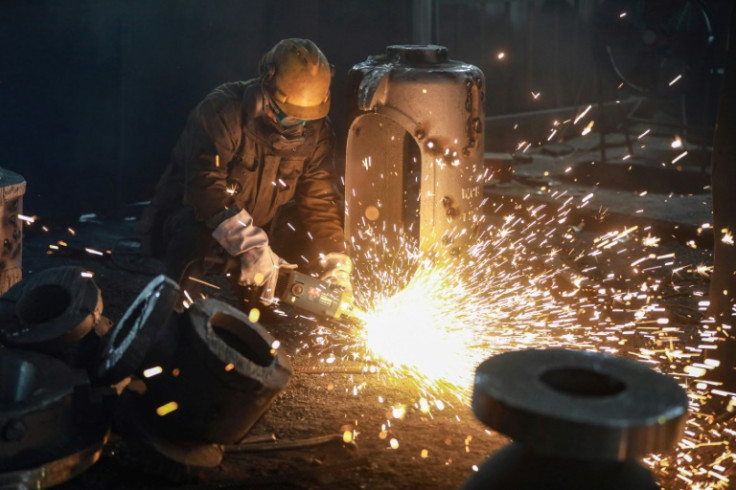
(230,156)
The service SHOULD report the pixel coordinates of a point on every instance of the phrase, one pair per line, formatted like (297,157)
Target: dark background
(93,93)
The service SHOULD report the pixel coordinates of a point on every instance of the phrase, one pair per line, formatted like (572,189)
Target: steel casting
(52,311)
(575,416)
(52,424)
(415,148)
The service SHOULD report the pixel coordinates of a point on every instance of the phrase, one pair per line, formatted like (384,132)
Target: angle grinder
(316,296)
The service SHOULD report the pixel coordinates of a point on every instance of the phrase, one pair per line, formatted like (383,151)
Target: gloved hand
(337,268)
(259,265)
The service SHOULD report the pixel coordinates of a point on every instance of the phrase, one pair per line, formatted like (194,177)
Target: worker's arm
(317,196)
(211,146)
(214,129)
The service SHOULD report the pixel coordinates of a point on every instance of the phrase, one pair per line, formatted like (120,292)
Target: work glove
(337,268)
(259,265)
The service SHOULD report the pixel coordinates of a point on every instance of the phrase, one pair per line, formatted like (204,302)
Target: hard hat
(297,76)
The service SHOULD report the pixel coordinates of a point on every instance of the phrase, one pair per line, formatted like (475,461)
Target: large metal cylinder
(229,373)
(204,376)
(12,187)
(415,148)
(575,417)
(50,311)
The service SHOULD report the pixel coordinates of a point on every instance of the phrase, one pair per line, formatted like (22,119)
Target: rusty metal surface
(415,146)
(141,332)
(583,405)
(12,189)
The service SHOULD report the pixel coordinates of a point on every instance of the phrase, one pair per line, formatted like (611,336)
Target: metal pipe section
(56,311)
(201,377)
(145,336)
(51,310)
(414,158)
(575,417)
(52,425)
(224,374)
(422,21)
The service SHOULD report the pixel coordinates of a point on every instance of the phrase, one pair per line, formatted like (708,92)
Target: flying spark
(523,283)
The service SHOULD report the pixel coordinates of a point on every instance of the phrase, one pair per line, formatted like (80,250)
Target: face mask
(283,119)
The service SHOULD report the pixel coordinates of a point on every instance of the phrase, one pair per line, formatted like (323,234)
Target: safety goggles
(284,119)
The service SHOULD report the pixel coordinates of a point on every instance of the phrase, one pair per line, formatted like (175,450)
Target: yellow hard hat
(297,76)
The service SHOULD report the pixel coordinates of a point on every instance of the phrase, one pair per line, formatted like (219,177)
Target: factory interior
(534,275)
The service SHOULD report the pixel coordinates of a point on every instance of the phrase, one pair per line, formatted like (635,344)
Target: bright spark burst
(650,241)
(523,284)
(435,305)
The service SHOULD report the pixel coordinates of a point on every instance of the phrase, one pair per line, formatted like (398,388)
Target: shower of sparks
(523,283)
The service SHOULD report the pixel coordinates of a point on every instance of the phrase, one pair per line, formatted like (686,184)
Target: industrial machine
(414,157)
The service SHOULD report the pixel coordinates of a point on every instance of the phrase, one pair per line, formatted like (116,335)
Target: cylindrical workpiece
(13,186)
(415,148)
(227,374)
(52,424)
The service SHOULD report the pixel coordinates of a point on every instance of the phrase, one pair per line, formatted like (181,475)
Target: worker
(251,179)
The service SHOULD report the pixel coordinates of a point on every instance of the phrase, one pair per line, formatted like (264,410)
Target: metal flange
(52,425)
(50,311)
(130,341)
(222,377)
(581,405)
